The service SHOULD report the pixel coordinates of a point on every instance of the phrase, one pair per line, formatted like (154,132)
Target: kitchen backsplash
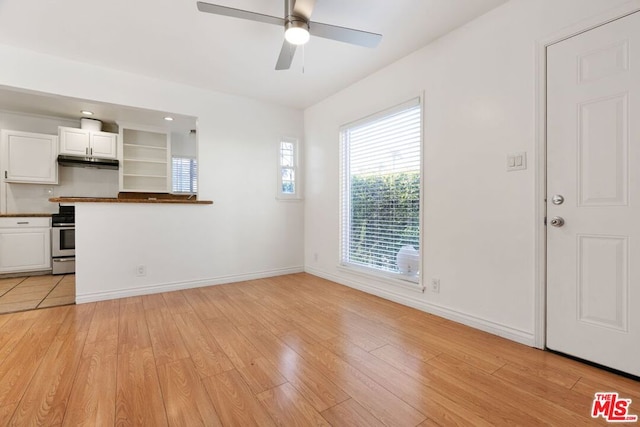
(76,182)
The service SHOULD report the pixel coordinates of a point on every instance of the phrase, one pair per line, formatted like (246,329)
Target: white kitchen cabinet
(29,157)
(82,142)
(146,159)
(25,244)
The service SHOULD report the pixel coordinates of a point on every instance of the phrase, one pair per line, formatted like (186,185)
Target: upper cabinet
(29,157)
(82,142)
(146,159)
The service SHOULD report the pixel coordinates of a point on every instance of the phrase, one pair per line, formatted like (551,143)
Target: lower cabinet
(25,244)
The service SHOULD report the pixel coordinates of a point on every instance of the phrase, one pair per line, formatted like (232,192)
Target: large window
(380,220)
(185,175)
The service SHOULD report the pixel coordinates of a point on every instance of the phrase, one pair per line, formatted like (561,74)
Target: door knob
(557,199)
(557,221)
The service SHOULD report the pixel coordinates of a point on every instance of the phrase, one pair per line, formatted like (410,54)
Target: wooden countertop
(121,200)
(24,215)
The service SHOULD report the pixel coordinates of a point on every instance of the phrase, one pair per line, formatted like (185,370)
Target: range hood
(87,162)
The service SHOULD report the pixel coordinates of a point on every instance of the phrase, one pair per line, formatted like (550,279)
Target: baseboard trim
(504,331)
(177,286)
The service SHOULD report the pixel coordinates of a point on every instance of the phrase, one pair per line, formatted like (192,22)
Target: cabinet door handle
(23,222)
(91,151)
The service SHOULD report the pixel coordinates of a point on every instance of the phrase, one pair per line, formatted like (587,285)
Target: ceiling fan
(298,27)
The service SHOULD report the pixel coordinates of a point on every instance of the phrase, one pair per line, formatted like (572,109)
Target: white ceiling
(171,40)
(56,106)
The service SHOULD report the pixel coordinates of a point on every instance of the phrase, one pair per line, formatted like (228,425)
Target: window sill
(395,280)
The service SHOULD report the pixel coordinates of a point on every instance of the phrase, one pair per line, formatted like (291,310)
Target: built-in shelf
(143,175)
(145,146)
(146,161)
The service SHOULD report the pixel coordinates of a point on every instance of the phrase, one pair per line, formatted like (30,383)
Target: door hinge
(5,175)
(545,220)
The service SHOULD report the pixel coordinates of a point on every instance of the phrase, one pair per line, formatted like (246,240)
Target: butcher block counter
(25,215)
(135,198)
(116,200)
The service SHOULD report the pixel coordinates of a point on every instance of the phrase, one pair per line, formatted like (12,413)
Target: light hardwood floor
(28,293)
(291,350)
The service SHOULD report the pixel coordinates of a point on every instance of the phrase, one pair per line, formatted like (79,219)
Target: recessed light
(169,119)
(87,112)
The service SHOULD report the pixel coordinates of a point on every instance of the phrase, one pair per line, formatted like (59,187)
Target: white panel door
(74,141)
(103,145)
(593,162)
(30,157)
(26,249)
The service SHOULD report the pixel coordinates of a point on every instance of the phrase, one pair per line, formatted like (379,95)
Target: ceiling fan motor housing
(293,21)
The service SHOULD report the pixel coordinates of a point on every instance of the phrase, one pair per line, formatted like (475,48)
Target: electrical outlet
(435,286)
(141,270)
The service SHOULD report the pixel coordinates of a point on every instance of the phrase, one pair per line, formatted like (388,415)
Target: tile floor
(28,293)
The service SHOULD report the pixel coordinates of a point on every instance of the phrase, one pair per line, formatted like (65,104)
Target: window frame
(194,177)
(396,278)
(297,194)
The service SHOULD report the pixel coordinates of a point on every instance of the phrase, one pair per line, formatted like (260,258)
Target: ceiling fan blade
(286,56)
(342,34)
(238,13)
(304,8)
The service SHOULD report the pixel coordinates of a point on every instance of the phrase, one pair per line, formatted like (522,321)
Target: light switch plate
(516,161)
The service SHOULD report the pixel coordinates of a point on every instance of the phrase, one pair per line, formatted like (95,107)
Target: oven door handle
(64,259)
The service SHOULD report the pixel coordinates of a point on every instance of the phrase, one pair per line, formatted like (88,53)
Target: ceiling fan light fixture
(297,23)
(296,32)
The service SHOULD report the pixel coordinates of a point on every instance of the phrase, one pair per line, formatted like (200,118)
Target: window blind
(184,173)
(381,163)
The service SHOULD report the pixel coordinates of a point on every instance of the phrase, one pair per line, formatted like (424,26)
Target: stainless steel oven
(63,241)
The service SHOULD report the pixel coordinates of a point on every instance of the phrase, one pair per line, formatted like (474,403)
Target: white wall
(246,233)
(80,182)
(480,104)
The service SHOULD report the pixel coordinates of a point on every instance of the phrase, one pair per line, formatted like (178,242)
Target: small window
(185,175)
(288,180)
